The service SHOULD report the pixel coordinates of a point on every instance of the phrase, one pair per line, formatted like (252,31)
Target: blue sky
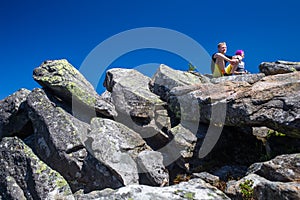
(34,31)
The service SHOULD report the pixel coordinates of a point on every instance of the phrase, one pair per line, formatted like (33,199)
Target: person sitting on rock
(237,68)
(220,59)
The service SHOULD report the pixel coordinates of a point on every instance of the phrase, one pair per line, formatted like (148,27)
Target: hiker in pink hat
(238,68)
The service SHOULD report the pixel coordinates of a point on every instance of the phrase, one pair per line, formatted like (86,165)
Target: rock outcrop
(257,187)
(24,176)
(194,189)
(67,83)
(137,107)
(274,179)
(179,135)
(167,78)
(13,117)
(283,168)
(270,102)
(118,148)
(58,142)
(279,67)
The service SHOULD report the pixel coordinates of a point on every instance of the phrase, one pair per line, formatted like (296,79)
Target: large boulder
(283,168)
(249,78)
(196,189)
(58,142)
(13,115)
(151,169)
(138,108)
(181,147)
(67,83)
(119,147)
(272,102)
(274,179)
(24,176)
(130,92)
(257,187)
(279,67)
(167,78)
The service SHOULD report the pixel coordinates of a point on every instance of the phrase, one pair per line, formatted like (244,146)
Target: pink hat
(239,52)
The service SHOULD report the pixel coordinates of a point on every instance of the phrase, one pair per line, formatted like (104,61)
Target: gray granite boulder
(68,84)
(256,187)
(167,78)
(137,107)
(24,176)
(13,115)
(249,78)
(151,169)
(279,67)
(196,189)
(125,153)
(283,168)
(272,102)
(58,142)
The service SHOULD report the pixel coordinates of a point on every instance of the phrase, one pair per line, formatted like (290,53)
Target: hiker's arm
(222,56)
(235,59)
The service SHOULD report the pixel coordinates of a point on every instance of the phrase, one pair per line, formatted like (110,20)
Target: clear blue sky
(34,31)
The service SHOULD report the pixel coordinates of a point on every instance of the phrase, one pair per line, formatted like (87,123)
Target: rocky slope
(177,135)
